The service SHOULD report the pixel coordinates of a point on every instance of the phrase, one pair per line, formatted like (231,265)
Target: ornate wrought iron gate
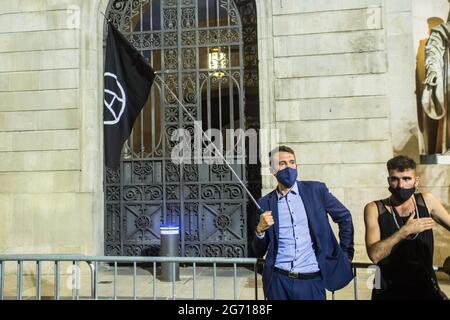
(207,56)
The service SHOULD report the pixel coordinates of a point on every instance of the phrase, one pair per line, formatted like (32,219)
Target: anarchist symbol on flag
(128,79)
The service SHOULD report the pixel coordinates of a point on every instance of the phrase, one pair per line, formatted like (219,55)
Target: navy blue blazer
(333,258)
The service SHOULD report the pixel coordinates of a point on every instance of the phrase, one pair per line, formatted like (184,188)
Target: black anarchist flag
(128,80)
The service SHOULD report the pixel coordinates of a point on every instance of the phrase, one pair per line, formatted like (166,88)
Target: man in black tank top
(399,236)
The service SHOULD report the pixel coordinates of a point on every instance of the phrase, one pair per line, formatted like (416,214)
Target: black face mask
(402,194)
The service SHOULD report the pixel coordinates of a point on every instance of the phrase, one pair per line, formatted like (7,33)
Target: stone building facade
(337,79)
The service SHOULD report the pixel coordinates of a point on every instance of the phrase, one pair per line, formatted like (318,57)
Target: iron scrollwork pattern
(178,37)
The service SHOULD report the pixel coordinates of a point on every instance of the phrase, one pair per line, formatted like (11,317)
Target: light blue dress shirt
(295,247)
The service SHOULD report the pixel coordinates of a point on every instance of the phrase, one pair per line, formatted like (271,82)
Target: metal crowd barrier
(93,263)
(355,267)
(365,266)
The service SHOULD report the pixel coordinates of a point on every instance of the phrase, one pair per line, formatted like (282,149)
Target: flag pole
(104,16)
(260,210)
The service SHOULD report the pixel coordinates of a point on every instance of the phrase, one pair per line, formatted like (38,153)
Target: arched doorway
(206,53)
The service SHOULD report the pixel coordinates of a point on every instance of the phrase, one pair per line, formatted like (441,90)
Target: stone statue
(435,94)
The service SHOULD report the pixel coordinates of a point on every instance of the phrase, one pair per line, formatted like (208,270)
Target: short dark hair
(279,149)
(401,163)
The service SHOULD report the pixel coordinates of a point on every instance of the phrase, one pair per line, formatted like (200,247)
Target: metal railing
(94,262)
(365,266)
(355,267)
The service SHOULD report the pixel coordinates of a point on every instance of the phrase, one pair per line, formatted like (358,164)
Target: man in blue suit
(303,257)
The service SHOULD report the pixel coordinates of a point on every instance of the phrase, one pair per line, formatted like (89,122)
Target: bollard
(170,238)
